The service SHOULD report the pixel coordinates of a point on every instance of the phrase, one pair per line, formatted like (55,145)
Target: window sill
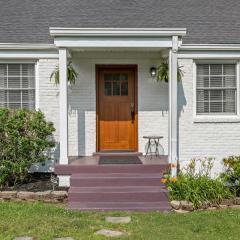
(217,119)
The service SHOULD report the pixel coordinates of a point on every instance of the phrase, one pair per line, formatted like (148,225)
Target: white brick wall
(195,139)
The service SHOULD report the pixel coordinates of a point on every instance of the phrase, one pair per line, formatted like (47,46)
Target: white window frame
(36,76)
(215,117)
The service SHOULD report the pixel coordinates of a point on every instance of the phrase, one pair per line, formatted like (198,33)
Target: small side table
(155,140)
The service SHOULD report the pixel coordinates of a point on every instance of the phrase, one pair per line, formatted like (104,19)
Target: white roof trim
(26,46)
(58,31)
(227,47)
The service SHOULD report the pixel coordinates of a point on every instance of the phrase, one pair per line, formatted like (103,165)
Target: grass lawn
(45,221)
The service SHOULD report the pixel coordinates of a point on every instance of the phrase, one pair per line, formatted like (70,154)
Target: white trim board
(28,54)
(58,31)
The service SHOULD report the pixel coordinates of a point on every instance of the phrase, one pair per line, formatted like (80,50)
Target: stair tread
(116,175)
(120,206)
(118,189)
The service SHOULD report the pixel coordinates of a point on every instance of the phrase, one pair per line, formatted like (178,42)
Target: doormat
(119,160)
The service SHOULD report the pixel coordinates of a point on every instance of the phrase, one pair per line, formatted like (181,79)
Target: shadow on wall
(181,103)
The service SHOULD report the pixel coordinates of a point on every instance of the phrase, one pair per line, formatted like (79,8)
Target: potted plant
(163,71)
(71,74)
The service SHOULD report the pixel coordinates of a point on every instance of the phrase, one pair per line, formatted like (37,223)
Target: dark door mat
(119,160)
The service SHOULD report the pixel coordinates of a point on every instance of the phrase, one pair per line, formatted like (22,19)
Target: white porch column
(63,106)
(172,135)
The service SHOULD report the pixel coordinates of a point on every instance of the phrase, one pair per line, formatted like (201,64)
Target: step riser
(118,182)
(126,206)
(117,197)
(73,169)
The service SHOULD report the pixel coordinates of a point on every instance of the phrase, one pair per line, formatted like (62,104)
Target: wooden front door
(117,108)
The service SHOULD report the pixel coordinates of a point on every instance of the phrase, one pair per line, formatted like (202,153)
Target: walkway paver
(109,233)
(118,219)
(64,238)
(23,238)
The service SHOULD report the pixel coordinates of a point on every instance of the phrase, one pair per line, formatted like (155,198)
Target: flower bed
(194,188)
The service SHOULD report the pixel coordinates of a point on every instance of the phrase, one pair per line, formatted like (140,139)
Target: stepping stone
(118,219)
(23,238)
(109,233)
(65,238)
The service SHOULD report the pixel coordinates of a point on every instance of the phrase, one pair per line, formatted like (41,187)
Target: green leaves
(231,176)
(71,74)
(163,71)
(194,184)
(25,137)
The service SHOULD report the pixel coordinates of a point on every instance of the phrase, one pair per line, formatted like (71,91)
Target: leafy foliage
(163,71)
(71,74)
(197,186)
(231,175)
(25,137)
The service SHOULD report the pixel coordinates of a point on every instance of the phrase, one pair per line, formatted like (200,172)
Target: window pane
(28,82)
(203,69)
(14,69)
(28,70)
(229,81)
(14,96)
(215,82)
(229,69)
(124,88)
(203,81)
(219,94)
(107,88)
(14,78)
(116,88)
(216,69)
(14,82)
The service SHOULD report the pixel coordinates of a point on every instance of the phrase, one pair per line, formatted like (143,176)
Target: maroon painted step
(116,154)
(111,179)
(147,189)
(117,187)
(118,197)
(122,206)
(124,168)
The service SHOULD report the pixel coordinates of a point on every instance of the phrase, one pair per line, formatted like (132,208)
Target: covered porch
(116,49)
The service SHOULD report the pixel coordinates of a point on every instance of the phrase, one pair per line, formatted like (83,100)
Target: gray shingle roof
(207,21)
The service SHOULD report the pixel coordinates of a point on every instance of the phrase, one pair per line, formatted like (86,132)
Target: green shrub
(231,175)
(197,186)
(25,138)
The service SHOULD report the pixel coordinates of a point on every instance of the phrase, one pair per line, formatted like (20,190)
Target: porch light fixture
(153,71)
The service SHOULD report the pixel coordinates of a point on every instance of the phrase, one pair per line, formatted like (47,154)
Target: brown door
(116,109)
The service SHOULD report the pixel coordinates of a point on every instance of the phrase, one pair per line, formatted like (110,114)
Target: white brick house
(197,117)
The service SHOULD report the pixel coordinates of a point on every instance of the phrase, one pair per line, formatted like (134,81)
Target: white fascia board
(26,46)
(113,42)
(215,47)
(209,54)
(58,31)
(28,54)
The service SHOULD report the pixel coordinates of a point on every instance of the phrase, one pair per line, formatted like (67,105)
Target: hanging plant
(71,74)
(163,71)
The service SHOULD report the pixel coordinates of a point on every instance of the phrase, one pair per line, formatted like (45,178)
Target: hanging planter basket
(163,71)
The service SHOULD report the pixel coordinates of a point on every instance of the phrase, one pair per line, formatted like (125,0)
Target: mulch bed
(38,182)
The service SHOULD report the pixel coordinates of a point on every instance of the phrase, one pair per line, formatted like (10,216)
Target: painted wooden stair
(132,187)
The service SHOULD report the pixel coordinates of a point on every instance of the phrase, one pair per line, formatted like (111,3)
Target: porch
(80,44)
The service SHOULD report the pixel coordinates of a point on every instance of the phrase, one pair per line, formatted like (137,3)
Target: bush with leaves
(25,138)
(196,185)
(231,175)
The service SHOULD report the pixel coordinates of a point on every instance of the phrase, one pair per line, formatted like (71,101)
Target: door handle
(132,111)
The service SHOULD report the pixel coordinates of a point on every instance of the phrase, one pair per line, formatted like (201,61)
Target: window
(17,86)
(216,89)
(116,84)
